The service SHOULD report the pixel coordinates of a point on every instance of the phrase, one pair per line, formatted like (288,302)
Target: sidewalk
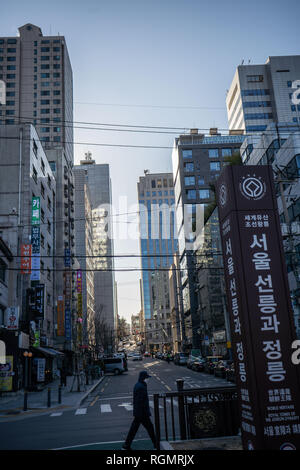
(38,401)
(213,443)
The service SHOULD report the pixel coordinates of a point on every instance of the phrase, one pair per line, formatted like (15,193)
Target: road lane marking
(56,414)
(105,408)
(81,411)
(127,406)
(92,404)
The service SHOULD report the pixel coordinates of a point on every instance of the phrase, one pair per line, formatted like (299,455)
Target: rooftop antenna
(88,155)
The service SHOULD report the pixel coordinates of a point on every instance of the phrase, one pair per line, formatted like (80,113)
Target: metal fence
(196,413)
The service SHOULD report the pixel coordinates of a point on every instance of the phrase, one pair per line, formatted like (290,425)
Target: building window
(45,93)
(48,226)
(200,181)
(42,190)
(188,153)
(213,153)
(189,167)
(3,268)
(189,180)
(34,174)
(226,152)
(191,194)
(215,166)
(204,193)
(255,78)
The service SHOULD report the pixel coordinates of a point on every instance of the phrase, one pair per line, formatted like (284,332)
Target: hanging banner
(60,317)
(261,316)
(35,238)
(35,211)
(6,375)
(35,268)
(25,259)
(12,318)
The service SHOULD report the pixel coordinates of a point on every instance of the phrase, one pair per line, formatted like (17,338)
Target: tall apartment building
(37,74)
(84,254)
(62,169)
(26,180)
(197,162)
(262,94)
(158,245)
(279,146)
(99,184)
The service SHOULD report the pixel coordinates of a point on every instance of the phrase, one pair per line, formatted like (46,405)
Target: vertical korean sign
(261,316)
(35,238)
(25,259)
(79,305)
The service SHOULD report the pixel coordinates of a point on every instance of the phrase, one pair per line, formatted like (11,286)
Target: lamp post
(25,354)
(29,369)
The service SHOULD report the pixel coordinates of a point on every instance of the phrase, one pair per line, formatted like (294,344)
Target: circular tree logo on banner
(223,194)
(252,187)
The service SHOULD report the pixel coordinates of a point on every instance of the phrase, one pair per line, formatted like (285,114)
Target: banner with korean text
(261,317)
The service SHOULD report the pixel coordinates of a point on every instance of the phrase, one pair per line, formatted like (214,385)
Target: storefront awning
(48,351)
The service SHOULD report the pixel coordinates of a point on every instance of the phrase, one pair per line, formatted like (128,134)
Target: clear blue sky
(169,53)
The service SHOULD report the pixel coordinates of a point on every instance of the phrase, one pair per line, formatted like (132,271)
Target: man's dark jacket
(141,407)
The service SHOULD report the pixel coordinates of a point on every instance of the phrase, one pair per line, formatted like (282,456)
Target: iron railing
(196,413)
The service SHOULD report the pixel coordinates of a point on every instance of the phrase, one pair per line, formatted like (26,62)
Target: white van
(114,364)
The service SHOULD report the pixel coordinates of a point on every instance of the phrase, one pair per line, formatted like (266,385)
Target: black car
(230,373)
(220,368)
(198,365)
(210,363)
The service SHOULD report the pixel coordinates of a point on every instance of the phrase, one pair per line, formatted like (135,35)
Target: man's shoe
(124,447)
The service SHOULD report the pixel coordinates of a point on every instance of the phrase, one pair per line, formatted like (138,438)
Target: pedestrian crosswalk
(113,407)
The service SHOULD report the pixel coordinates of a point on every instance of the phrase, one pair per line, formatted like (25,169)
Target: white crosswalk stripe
(105,408)
(81,411)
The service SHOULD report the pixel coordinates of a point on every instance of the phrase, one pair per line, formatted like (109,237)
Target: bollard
(49,398)
(25,401)
(59,394)
(181,412)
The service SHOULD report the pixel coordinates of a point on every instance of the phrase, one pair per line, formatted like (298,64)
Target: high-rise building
(158,245)
(28,189)
(279,146)
(197,163)
(261,94)
(99,184)
(37,75)
(84,254)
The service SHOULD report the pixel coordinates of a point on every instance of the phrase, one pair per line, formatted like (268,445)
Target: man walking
(141,411)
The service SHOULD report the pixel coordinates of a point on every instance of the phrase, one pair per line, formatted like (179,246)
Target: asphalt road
(106,414)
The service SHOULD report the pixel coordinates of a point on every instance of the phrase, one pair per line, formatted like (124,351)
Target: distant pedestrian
(141,411)
(63,376)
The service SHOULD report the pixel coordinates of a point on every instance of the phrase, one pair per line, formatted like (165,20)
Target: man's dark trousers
(147,423)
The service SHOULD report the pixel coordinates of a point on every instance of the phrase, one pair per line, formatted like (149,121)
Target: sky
(152,63)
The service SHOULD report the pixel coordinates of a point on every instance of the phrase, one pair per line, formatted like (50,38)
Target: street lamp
(25,354)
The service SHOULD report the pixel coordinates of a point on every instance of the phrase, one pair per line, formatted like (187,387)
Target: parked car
(230,373)
(210,363)
(180,359)
(220,368)
(198,365)
(116,365)
(147,354)
(191,360)
(158,355)
(137,357)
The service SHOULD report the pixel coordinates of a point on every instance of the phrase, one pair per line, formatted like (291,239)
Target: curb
(90,390)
